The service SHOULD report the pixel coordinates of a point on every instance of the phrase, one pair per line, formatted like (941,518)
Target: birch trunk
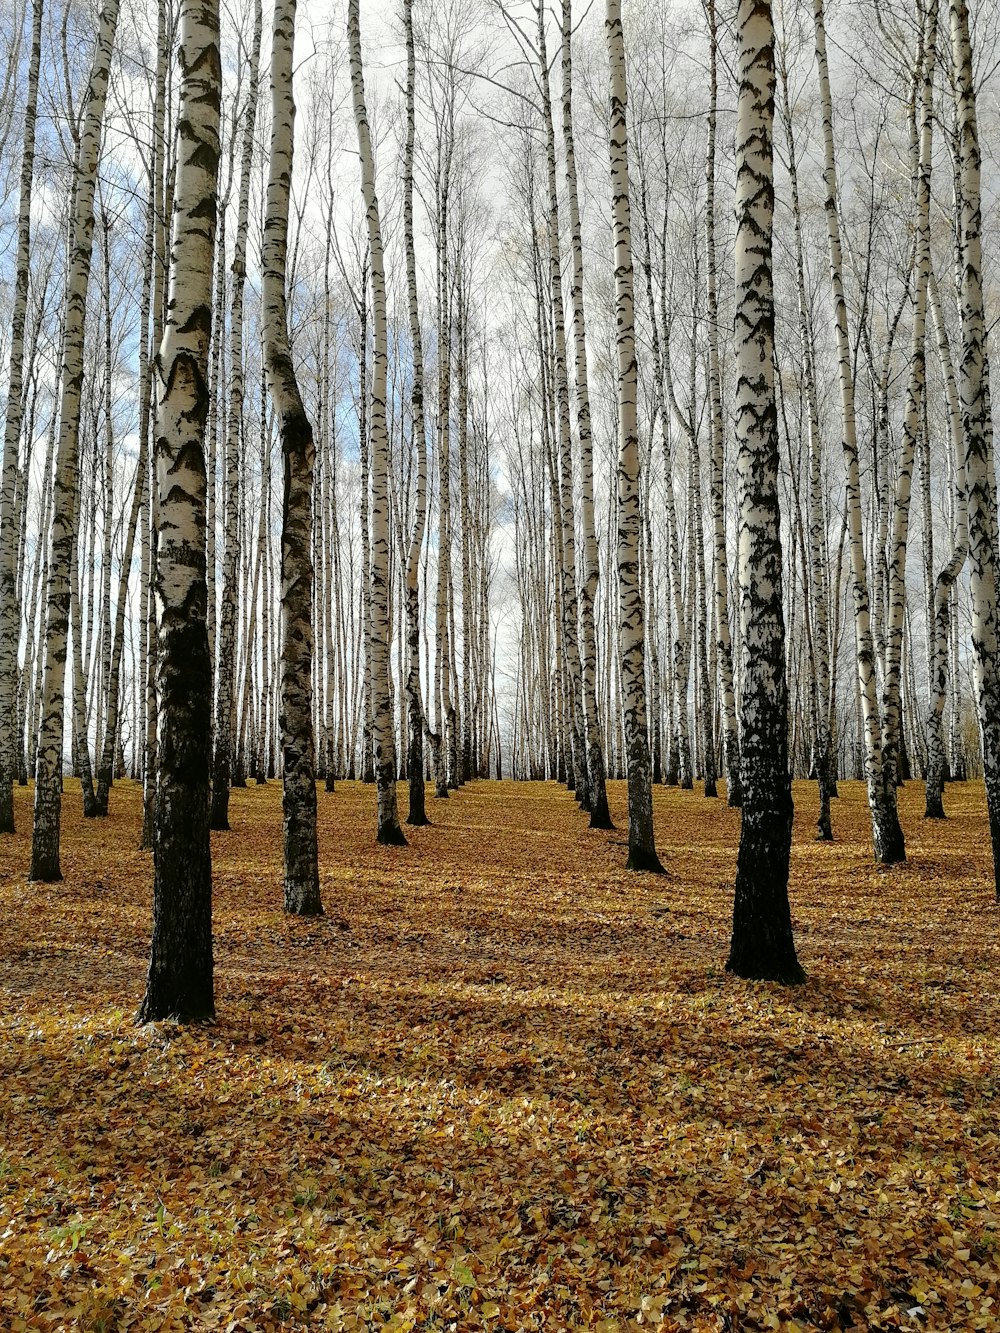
(78,704)
(819,621)
(946,579)
(163,167)
(180,980)
(9,530)
(298,453)
(102,689)
(641,844)
(142,480)
(567,571)
(762,944)
(887,835)
(27,689)
(717,457)
(48,766)
(891,692)
(464,768)
(442,659)
(699,600)
(599,815)
(389,830)
(678,767)
(222,759)
(417,814)
(364,455)
(973,386)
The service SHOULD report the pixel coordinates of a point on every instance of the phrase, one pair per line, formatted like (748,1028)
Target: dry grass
(503,1083)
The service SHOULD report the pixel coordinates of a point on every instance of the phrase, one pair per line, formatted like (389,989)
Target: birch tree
(564,488)
(762,944)
(973,385)
(298,452)
(222,758)
(417,813)
(163,172)
(48,764)
(922,136)
(9,531)
(945,582)
(388,830)
(641,843)
(180,980)
(887,835)
(597,789)
(818,623)
(720,580)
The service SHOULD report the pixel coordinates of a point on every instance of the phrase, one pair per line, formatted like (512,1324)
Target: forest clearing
(503,1082)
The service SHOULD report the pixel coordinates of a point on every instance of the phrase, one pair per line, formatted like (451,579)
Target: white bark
(588,588)
(48,769)
(973,385)
(887,836)
(222,759)
(762,945)
(9,530)
(298,451)
(817,620)
(415,750)
(891,701)
(941,623)
(642,846)
(389,830)
(565,512)
(720,581)
(180,980)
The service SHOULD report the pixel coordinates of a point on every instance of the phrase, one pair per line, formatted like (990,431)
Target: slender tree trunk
(102,691)
(819,622)
(973,383)
(946,579)
(180,981)
(389,830)
(163,168)
(642,847)
(887,835)
(298,452)
(364,458)
(762,944)
(142,478)
(678,767)
(78,703)
(894,755)
(222,759)
(565,515)
(106,760)
(717,458)
(699,605)
(9,530)
(464,768)
(48,769)
(417,814)
(442,659)
(28,687)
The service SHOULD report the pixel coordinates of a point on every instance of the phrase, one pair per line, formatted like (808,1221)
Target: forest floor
(504,1084)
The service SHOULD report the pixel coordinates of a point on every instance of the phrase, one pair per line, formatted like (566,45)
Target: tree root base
(640,859)
(391,836)
(791,975)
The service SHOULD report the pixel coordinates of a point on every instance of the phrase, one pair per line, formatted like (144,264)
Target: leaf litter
(503,1083)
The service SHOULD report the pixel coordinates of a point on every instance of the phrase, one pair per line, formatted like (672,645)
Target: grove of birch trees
(426,393)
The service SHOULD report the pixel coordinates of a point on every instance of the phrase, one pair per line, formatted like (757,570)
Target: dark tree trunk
(762,945)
